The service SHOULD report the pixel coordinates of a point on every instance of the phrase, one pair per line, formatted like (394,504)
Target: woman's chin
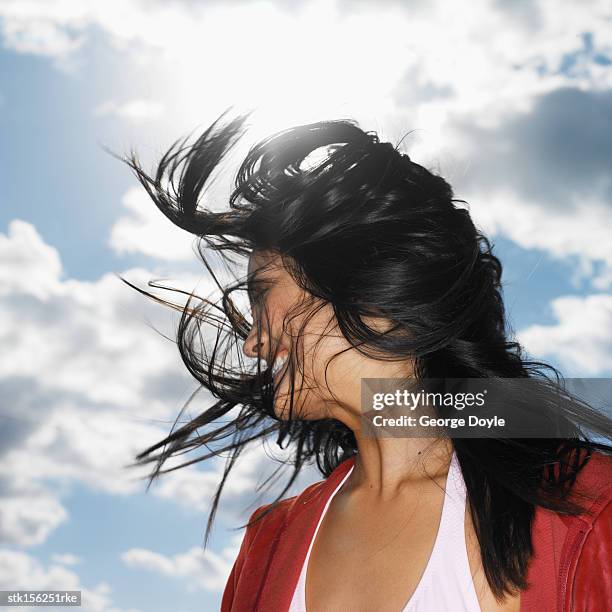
(302,407)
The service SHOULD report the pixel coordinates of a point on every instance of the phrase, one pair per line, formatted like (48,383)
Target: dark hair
(400,247)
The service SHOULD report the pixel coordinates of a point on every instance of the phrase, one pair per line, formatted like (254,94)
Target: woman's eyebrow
(253,285)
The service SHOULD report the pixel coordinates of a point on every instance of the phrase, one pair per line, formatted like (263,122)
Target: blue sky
(510,101)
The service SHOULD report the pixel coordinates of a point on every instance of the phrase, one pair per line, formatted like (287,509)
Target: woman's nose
(251,347)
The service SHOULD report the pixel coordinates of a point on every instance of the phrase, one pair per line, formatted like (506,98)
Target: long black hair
(367,230)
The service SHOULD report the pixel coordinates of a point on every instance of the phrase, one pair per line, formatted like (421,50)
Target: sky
(510,101)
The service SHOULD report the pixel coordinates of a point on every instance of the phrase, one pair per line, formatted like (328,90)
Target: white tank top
(446,584)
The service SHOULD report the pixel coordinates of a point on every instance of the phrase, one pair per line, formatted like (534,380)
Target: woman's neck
(384,466)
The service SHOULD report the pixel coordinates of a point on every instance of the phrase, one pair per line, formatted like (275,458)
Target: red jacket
(571,570)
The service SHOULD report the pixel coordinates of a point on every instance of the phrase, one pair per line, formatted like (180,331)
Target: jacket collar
(292,544)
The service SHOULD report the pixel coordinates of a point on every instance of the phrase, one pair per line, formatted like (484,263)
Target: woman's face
(318,394)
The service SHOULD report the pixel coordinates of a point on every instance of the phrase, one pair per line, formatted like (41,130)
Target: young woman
(361,264)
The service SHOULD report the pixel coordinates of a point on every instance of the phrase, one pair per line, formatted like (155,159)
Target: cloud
(542,178)
(146,230)
(39,36)
(84,340)
(82,337)
(558,153)
(29,512)
(581,340)
(92,448)
(77,395)
(201,569)
(20,571)
(195,488)
(134,110)
(488,59)
(443,42)
(66,559)
(30,267)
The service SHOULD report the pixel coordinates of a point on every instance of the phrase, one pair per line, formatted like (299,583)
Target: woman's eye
(259,297)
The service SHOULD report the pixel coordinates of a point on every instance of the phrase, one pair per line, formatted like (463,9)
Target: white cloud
(147,230)
(39,36)
(30,266)
(84,340)
(84,337)
(75,444)
(85,386)
(195,488)
(444,42)
(28,511)
(201,569)
(542,178)
(20,571)
(581,340)
(134,110)
(533,225)
(66,559)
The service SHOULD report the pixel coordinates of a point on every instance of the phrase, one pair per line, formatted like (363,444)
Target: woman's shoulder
(594,482)
(592,490)
(568,549)
(597,469)
(592,589)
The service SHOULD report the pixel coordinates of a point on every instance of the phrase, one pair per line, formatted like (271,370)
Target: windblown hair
(372,233)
